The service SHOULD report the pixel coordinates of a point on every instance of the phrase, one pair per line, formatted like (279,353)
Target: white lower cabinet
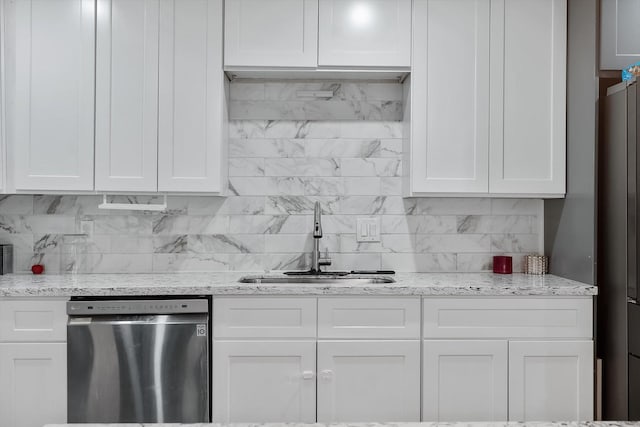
(551,380)
(464,380)
(264,381)
(368,381)
(33,384)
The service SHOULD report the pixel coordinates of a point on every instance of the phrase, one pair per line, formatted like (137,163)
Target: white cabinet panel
(264,381)
(368,381)
(192,97)
(274,33)
(464,381)
(51,80)
(263,317)
(528,96)
(450,99)
(365,33)
(127,95)
(374,318)
(551,380)
(619,34)
(33,320)
(33,384)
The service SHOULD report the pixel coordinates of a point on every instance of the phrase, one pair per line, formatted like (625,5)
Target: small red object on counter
(37,269)
(502,264)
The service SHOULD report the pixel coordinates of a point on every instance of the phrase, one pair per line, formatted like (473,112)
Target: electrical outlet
(86,227)
(368,230)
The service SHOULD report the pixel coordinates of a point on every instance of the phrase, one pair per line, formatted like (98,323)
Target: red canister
(502,264)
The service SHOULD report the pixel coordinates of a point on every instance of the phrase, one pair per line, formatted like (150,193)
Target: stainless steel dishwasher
(138,361)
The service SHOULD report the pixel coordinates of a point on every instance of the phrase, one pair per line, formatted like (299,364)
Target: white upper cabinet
(50,54)
(192,97)
(450,95)
(488,107)
(528,99)
(127,95)
(619,34)
(274,33)
(371,33)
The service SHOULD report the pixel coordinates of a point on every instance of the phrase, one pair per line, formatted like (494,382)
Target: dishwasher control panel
(116,307)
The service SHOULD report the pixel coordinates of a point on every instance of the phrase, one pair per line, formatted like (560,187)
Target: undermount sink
(321,280)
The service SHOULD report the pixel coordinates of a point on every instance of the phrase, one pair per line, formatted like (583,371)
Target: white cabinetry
(317,33)
(192,97)
(368,381)
(264,381)
(127,95)
(281,33)
(619,34)
(50,69)
(364,33)
(464,380)
(488,98)
(33,362)
(550,380)
(160,96)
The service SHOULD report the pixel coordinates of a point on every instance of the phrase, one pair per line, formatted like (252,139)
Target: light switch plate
(368,230)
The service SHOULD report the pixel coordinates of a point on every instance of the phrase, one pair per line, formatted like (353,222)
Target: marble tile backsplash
(284,154)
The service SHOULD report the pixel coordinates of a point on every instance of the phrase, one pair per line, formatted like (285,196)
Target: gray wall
(570,223)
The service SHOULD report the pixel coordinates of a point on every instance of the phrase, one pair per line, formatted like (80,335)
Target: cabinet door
(551,380)
(264,381)
(127,95)
(619,34)
(192,97)
(464,381)
(450,96)
(33,384)
(528,96)
(274,33)
(369,33)
(52,100)
(368,381)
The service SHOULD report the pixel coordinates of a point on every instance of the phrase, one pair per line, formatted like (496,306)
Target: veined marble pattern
(435,284)
(285,153)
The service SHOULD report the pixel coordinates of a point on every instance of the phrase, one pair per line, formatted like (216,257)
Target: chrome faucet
(316,258)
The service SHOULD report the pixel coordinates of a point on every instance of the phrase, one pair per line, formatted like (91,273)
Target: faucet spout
(317,224)
(316,258)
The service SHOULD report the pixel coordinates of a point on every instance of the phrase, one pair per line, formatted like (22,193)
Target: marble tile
(362,186)
(302,167)
(390,186)
(247,91)
(253,186)
(117,263)
(521,224)
(226,243)
(516,206)
(391,148)
(519,243)
(270,224)
(287,261)
(171,244)
(453,206)
(63,224)
(298,243)
(14,224)
(325,186)
(245,166)
(335,148)
(355,261)
(422,224)
(433,262)
(263,148)
(370,167)
(169,263)
(315,110)
(293,205)
(192,224)
(377,205)
(453,243)
(16,205)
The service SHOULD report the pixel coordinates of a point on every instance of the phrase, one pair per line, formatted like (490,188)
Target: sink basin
(321,280)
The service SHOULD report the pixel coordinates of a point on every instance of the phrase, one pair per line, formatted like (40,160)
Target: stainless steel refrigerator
(618,312)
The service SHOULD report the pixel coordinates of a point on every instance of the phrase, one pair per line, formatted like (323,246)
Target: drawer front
(264,317)
(33,320)
(380,318)
(508,317)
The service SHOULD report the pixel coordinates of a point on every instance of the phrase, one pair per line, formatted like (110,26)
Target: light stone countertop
(465,424)
(407,284)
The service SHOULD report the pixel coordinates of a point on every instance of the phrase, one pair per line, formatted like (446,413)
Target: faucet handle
(325,260)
